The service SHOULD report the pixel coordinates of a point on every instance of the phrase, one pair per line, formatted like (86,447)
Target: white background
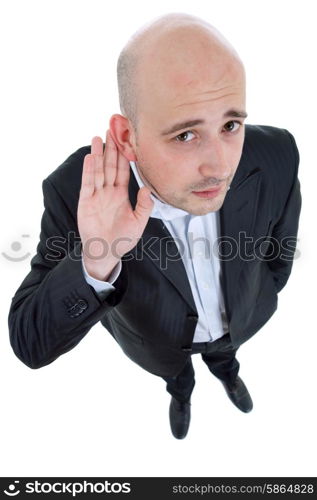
(93,411)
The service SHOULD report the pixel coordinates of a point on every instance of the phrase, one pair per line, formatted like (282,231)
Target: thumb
(144,204)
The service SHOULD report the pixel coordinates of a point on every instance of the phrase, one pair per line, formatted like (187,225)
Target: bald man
(178,233)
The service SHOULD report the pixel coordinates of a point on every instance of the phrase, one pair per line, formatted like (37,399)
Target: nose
(214,162)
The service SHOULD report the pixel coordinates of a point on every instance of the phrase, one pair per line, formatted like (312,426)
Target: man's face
(196,157)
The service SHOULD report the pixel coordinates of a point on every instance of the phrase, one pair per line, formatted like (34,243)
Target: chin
(205,206)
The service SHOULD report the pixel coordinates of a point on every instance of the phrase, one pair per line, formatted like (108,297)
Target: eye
(232,123)
(178,137)
(230,127)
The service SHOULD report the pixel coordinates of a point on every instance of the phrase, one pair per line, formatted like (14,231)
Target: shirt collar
(161,210)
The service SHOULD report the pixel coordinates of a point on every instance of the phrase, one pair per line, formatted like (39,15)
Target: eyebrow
(190,123)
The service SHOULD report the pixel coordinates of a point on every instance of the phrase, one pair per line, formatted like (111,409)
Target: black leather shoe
(179,413)
(239,395)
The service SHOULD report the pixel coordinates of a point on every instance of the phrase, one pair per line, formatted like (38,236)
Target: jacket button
(82,304)
(192,317)
(78,308)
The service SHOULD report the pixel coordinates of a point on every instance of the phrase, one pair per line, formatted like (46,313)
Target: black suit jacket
(151,313)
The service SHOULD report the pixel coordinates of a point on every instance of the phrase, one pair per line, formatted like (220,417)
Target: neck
(148,184)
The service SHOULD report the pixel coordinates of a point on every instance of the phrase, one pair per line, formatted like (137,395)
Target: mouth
(210,193)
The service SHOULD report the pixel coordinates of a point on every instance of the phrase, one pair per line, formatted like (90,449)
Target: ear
(123,135)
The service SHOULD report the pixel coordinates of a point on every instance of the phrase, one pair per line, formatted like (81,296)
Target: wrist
(100,269)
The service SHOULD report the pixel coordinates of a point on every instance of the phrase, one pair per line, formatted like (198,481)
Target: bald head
(171,51)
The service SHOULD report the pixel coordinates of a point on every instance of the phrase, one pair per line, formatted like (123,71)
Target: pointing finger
(110,160)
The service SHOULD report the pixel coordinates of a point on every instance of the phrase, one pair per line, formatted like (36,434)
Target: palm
(105,215)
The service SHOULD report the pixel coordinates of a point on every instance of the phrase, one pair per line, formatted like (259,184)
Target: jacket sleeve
(284,233)
(55,307)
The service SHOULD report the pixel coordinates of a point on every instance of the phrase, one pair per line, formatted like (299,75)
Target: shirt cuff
(99,285)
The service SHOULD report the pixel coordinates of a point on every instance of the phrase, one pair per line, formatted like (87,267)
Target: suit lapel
(237,219)
(236,215)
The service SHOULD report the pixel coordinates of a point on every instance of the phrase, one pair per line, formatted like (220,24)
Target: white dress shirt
(194,236)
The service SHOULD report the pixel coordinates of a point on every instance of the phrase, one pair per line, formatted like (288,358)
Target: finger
(123,171)
(144,204)
(97,152)
(110,160)
(96,146)
(88,177)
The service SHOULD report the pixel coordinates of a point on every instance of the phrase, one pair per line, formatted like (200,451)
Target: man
(178,233)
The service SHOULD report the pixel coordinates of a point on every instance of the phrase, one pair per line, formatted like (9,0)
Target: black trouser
(219,356)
